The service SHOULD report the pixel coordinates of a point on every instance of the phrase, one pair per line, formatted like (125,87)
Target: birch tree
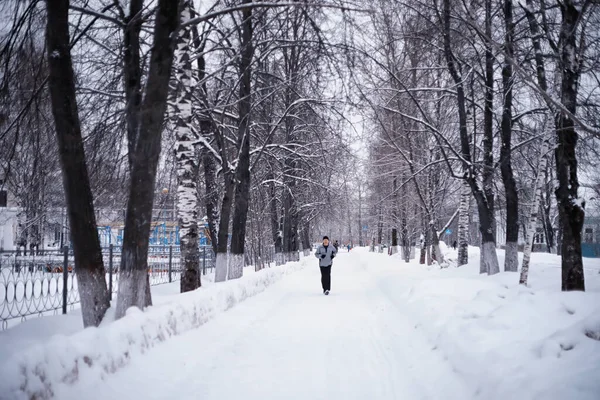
(489,259)
(186,160)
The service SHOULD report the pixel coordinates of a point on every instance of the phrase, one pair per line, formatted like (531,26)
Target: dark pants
(326,277)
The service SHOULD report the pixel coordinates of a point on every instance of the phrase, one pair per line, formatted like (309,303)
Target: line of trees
(234,107)
(482,110)
(469,101)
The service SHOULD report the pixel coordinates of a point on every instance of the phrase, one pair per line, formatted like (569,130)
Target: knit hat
(325,237)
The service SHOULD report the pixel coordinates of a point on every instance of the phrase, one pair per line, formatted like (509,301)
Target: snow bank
(509,341)
(95,352)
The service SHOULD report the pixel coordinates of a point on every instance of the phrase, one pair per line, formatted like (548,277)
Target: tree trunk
(360,227)
(570,206)
(207,129)
(380,225)
(463,226)
(306,235)
(533,213)
(132,75)
(559,237)
(290,219)
(424,243)
(535,34)
(133,281)
(186,162)
(489,259)
(546,208)
(221,267)
(212,190)
(394,247)
(511,260)
(487,207)
(436,253)
(488,120)
(290,208)
(404,233)
(276,231)
(242,188)
(89,267)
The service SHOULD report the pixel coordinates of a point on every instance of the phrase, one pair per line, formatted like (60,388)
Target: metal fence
(43,282)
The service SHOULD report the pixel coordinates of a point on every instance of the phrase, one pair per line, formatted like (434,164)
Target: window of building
(539,236)
(588,235)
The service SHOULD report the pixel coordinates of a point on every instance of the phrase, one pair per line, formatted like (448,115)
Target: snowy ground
(22,335)
(389,330)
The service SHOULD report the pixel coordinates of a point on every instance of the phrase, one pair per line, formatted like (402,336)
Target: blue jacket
(329,253)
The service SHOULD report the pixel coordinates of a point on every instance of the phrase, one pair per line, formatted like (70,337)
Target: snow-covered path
(291,342)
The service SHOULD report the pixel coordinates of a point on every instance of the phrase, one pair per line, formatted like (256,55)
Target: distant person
(325,253)
(349,247)
(454,245)
(336,245)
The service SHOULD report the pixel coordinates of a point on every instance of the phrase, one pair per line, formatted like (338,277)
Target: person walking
(325,253)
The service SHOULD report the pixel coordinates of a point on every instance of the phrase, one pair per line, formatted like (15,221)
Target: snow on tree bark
(436,253)
(187,167)
(89,266)
(488,256)
(133,281)
(424,244)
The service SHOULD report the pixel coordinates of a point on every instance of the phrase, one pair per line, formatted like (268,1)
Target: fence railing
(42,283)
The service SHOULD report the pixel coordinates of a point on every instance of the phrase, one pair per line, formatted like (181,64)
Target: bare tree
(187,164)
(133,284)
(86,244)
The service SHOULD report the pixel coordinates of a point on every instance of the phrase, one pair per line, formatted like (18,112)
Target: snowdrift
(506,340)
(95,352)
